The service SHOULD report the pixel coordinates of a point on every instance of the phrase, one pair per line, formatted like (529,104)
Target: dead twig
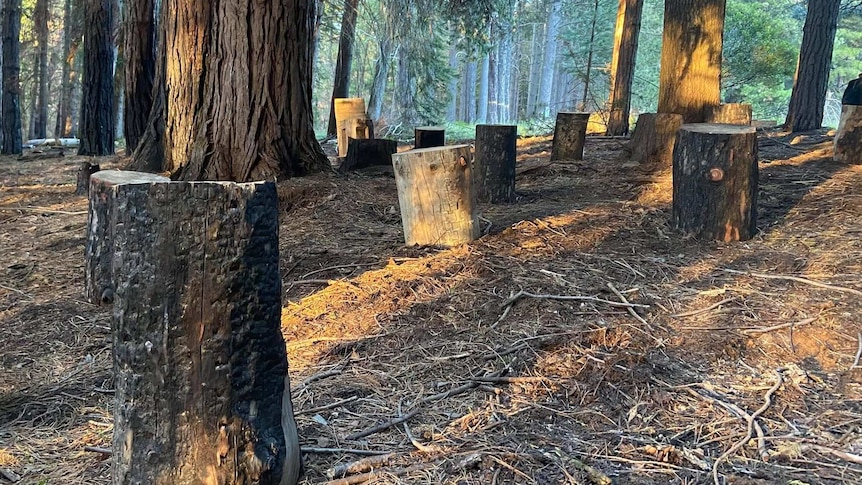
(42,210)
(798,280)
(419,446)
(327,406)
(631,310)
(398,472)
(524,294)
(9,475)
(382,426)
(703,310)
(858,351)
(360,466)
(750,331)
(96,449)
(511,379)
(352,451)
(340,266)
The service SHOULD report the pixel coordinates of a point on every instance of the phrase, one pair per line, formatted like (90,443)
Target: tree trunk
(492,116)
(381,75)
(715,181)
(569,136)
(31,111)
(139,51)
(494,163)
(60,127)
(504,66)
(452,88)
(470,92)
(97,105)
(484,87)
(119,91)
(549,59)
(691,57)
(405,88)
(429,136)
(589,67)
(435,193)
(40,20)
(626,36)
(532,81)
(848,138)
(653,139)
(199,358)
(812,70)
(11,97)
(87,169)
(238,98)
(67,111)
(341,86)
(729,113)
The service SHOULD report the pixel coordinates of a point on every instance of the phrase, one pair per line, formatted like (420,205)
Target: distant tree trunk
(586,97)
(76,82)
(514,79)
(139,51)
(405,89)
(451,109)
(97,106)
(40,19)
(381,75)
(484,86)
(626,35)
(493,83)
(504,64)
(532,82)
(119,95)
(691,57)
(238,91)
(67,118)
(812,70)
(543,103)
(31,110)
(11,108)
(469,92)
(341,87)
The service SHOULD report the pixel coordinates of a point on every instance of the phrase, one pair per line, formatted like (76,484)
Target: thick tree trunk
(848,138)
(626,36)
(139,51)
(341,86)
(97,105)
(730,113)
(569,136)
(40,19)
(549,59)
(690,78)
(429,136)
(435,193)
(11,98)
(715,179)
(812,71)
(494,163)
(199,358)
(653,139)
(405,88)
(237,82)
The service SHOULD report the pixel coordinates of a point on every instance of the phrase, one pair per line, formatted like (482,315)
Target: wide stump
(362,153)
(715,181)
(848,138)
(435,193)
(494,163)
(729,113)
(570,133)
(653,139)
(202,391)
(99,245)
(429,136)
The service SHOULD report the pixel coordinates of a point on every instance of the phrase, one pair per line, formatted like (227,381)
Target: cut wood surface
(347,109)
(435,193)
(494,163)
(848,137)
(570,133)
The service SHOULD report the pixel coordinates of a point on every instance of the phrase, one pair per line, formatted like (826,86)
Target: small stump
(435,193)
(84,173)
(202,390)
(429,136)
(362,153)
(848,138)
(730,113)
(570,133)
(715,181)
(98,249)
(653,139)
(494,163)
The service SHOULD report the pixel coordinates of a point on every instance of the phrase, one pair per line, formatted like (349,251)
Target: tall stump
(848,138)
(494,163)
(653,139)
(435,193)
(429,136)
(202,391)
(730,113)
(99,245)
(570,132)
(715,181)
(346,109)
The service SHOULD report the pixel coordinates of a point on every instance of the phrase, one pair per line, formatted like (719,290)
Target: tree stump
(570,133)
(353,128)
(848,138)
(202,389)
(653,139)
(87,169)
(494,163)
(435,193)
(345,109)
(429,136)
(99,245)
(730,113)
(715,181)
(362,153)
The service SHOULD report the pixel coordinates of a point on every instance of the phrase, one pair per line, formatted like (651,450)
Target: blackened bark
(494,163)
(11,103)
(812,72)
(570,134)
(40,19)
(626,35)
(97,104)
(139,51)
(341,87)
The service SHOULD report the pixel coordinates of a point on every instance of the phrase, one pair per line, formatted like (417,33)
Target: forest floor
(501,379)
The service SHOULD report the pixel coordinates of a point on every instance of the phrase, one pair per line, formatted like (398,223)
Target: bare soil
(737,359)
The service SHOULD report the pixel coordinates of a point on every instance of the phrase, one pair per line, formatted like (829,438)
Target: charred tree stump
(429,136)
(87,169)
(99,245)
(494,163)
(570,132)
(435,193)
(848,138)
(715,178)
(362,153)
(653,139)
(202,389)
(729,113)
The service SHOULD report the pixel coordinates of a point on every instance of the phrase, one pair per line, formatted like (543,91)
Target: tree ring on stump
(716,174)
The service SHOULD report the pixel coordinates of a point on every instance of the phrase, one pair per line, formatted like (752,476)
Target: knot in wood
(716,174)
(462,161)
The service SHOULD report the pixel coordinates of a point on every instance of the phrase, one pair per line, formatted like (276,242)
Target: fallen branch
(852,458)
(858,351)
(511,379)
(382,426)
(359,466)
(750,331)
(798,280)
(327,406)
(9,475)
(398,472)
(96,449)
(703,310)
(523,294)
(352,451)
(340,266)
(42,210)
(631,310)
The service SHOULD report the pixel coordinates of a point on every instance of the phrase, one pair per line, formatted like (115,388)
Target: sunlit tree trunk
(97,105)
(585,98)
(40,19)
(691,57)
(11,108)
(622,72)
(812,71)
(341,86)
(139,51)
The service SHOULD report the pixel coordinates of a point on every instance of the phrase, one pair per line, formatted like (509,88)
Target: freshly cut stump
(494,163)
(429,136)
(570,134)
(730,113)
(435,193)
(653,139)
(715,181)
(99,245)
(202,390)
(848,138)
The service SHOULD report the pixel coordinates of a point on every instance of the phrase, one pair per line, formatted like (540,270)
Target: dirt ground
(580,340)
